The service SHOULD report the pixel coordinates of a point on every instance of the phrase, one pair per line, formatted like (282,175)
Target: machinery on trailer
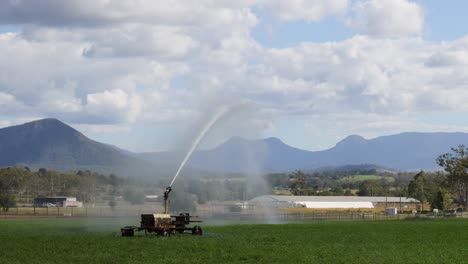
(164,224)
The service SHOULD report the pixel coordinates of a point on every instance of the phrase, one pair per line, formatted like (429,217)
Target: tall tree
(370,188)
(297,183)
(441,200)
(418,188)
(8,187)
(456,166)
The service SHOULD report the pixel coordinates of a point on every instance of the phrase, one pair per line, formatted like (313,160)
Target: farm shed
(330,201)
(57,201)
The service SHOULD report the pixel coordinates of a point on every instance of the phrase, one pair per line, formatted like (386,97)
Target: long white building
(330,201)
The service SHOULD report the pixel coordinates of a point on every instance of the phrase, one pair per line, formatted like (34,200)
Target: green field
(98,241)
(360,178)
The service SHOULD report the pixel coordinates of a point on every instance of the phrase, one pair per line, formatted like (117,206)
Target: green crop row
(99,241)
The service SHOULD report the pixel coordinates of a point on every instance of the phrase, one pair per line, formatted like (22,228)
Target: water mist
(197,141)
(238,118)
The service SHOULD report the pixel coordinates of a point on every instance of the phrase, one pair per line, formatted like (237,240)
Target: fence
(103,211)
(206,213)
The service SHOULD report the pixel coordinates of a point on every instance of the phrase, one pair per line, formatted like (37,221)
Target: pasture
(98,241)
(361,178)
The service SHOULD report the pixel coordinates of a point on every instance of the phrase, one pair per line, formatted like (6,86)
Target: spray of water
(197,141)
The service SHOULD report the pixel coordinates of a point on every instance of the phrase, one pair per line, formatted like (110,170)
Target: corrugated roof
(340,204)
(374,199)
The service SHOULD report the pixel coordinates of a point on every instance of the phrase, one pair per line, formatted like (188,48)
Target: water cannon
(164,224)
(166,196)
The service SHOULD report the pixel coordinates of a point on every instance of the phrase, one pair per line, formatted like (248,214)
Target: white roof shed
(327,201)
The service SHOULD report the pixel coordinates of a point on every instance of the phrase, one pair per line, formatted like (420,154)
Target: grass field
(99,241)
(360,178)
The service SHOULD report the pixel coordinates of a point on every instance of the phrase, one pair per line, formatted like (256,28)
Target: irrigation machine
(164,224)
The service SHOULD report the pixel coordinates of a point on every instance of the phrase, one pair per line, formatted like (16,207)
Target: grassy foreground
(99,241)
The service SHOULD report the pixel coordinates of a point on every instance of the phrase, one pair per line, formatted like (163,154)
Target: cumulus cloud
(392,18)
(114,63)
(6,99)
(361,73)
(150,41)
(365,74)
(113,104)
(450,53)
(105,12)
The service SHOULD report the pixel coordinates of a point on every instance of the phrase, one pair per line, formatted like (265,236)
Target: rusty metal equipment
(164,224)
(166,196)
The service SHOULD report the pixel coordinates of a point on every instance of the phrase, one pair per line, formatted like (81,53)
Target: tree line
(441,189)
(20,184)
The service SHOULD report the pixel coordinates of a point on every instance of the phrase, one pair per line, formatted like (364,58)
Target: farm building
(330,202)
(57,201)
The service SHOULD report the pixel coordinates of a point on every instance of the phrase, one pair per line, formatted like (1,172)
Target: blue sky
(146,76)
(9,28)
(445,21)
(279,34)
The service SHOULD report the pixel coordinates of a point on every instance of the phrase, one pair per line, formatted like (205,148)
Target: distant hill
(355,167)
(405,151)
(50,143)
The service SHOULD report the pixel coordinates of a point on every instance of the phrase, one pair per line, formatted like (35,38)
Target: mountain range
(51,143)
(405,151)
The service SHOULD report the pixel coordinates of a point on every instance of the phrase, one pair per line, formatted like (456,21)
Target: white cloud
(450,53)
(5,123)
(116,99)
(114,105)
(149,41)
(50,75)
(392,18)
(9,105)
(93,130)
(114,63)
(6,98)
(86,13)
(360,74)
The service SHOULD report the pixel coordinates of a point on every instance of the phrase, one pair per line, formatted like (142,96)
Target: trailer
(164,224)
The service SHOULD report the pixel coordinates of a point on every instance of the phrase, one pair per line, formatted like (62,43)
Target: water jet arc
(197,141)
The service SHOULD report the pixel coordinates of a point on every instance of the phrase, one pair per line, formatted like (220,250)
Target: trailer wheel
(166,232)
(127,231)
(196,230)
